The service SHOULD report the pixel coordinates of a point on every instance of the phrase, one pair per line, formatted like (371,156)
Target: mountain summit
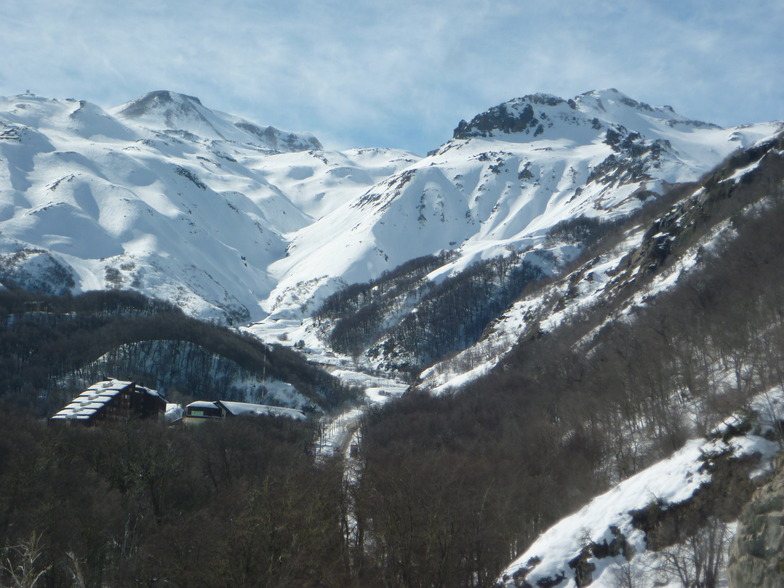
(164,110)
(162,195)
(547,116)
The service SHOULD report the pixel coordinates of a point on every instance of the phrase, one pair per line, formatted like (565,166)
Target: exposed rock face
(757,553)
(37,270)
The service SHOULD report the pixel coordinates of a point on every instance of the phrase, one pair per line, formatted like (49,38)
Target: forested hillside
(52,347)
(577,409)
(148,505)
(404,322)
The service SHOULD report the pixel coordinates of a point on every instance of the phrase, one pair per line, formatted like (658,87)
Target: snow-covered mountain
(240,222)
(164,196)
(501,183)
(507,185)
(168,111)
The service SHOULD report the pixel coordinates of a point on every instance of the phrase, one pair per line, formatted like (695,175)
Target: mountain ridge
(164,211)
(480,195)
(597,108)
(122,199)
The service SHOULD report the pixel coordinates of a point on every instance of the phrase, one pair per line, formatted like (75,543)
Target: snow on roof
(201,404)
(174,412)
(146,390)
(78,417)
(86,404)
(245,408)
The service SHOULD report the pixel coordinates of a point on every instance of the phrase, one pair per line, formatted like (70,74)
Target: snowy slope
(672,483)
(607,276)
(504,180)
(169,111)
(165,196)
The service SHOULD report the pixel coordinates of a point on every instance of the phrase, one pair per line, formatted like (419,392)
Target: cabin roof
(86,404)
(202,404)
(245,408)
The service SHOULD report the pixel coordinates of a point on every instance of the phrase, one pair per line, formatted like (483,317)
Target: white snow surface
(669,482)
(248,409)
(483,195)
(240,222)
(166,197)
(174,412)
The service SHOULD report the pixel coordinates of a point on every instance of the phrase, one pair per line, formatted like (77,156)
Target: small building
(202,409)
(197,412)
(112,400)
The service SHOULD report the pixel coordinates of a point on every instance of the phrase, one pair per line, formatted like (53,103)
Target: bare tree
(21,563)
(626,575)
(699,560)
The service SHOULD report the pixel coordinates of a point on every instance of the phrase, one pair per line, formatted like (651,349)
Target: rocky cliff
(757,553)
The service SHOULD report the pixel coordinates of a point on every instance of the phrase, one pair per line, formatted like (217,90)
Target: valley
(571,308)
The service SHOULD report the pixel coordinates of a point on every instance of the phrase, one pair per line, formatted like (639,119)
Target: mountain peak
(533,115)
(512,117)
(159,100)
(167,111)
(610,99)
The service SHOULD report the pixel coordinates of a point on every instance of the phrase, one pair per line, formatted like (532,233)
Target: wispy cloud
(398,73)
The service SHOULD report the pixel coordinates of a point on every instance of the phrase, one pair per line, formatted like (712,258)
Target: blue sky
(380,73)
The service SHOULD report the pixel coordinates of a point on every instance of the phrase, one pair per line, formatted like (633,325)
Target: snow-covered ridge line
(163,110)
(532,115)
(486,195)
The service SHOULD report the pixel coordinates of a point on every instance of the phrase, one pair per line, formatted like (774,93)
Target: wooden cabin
(112,400)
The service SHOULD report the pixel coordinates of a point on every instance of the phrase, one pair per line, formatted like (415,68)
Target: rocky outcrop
(36,270)
(757,553)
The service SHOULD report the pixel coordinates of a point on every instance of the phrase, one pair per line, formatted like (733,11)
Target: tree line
(408,322)
(140,504)
(46,340)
